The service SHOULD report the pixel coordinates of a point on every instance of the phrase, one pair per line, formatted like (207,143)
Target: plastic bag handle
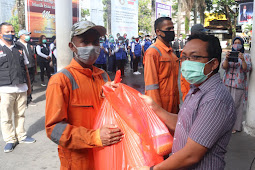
(117,78)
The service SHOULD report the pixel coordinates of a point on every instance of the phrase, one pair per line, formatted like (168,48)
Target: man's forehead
(195,45)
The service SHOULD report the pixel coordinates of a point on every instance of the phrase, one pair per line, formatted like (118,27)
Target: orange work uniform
(161,68)
(72,103)
(185,86)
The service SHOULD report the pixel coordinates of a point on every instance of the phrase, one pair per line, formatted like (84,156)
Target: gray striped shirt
(207,117)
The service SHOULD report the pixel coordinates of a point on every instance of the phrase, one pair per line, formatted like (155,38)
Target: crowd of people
(212,109)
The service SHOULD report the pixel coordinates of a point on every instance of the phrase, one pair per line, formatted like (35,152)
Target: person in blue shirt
(136,49)
(130,52)
(121,54)
(102,59)
(112,59)
(146,43)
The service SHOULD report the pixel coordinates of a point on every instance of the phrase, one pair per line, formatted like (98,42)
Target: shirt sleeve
(133,47)
(39,52)
(247,58)
(151,76)
(57,127)
(55,53)
(116,48)
(143,43)
(212,122)
(26,62)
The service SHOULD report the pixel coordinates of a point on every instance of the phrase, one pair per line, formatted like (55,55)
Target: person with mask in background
(130,52)
(43,58)
(121,55)
(202,128)
(101,61)
(136,50)
(235,78)
(28,51)
(112,58)
(161,67)
(146,43)
(14,89)
(73,99)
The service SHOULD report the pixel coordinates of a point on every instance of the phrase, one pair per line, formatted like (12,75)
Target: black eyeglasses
(192,58)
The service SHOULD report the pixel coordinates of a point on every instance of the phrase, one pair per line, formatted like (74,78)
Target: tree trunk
(195,11)
(179,13)
(187,22)
(202,14)
(153,16)
(109,11)
(21,13)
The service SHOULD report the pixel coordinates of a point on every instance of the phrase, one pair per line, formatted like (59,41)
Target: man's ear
(72,47)
(215,64)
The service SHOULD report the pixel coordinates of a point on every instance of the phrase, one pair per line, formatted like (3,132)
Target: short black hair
(158,22)
(214,49)
(4,24)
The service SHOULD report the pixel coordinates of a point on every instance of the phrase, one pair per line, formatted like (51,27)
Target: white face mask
(88,55)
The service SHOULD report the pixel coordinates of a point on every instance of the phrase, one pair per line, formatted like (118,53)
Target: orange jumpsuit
(161,68)
(185,86)
(72,103)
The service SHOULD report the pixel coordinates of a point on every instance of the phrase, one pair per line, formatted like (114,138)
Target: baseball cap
(81,27)
(21,32)
(198,28)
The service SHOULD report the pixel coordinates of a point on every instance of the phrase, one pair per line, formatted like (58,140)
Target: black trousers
(121,64)
(135,64)
(43,66)
(31,72)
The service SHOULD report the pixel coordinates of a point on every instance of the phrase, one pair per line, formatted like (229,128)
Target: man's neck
(166,43)
(83,65)
(23,41)
(7,43)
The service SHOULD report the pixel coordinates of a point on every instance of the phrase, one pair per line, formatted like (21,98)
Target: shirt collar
(161,44)
(208,84)
(3,44)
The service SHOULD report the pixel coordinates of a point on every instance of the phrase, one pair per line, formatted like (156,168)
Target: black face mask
(169,36)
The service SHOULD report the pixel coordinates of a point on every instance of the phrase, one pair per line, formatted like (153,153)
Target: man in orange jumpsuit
(161,67)
(73,99)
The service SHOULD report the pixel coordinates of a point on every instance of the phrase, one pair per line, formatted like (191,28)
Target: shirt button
(174,138)
(184,108)
(179,123)
(192,95)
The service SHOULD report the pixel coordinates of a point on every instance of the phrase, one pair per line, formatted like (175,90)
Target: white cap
(21,32)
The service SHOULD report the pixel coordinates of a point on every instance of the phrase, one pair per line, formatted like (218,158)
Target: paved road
(43,153)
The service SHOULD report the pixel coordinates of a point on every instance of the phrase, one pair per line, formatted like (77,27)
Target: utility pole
(63,15)
(249,125)
(153,16)
(179,18)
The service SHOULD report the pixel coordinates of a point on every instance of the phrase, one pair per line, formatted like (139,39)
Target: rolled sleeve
(212,122)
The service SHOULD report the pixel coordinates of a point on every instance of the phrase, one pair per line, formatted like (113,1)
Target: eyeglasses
(192,58)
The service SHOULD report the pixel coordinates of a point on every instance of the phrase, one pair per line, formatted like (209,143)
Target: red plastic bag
(146,137)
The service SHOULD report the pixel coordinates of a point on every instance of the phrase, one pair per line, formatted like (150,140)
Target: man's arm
(191,154)
(169,119)
(151,76)
(28,81)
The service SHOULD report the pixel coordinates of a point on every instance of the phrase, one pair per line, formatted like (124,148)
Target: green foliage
(144,16)
(84,14)
(106,6)
(248,28)
(15,22)
(186,24)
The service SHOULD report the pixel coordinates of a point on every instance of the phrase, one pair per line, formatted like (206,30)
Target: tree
(15,20)
(229,9)
(107,15)
(153,16)
(144,16)
(84,14)
(21,13)
(187,4)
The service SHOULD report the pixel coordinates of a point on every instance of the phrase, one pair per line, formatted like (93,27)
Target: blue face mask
(193,71)
(8,37)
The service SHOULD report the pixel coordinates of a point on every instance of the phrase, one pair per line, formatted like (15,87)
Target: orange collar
(96,71)
(162,45)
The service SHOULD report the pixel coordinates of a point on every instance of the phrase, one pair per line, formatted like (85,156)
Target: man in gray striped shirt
(202,129)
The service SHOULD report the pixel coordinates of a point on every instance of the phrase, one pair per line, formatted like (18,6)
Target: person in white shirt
(14,88)
(43,58)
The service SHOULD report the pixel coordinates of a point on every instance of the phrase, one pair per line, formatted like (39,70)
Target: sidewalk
(43,154)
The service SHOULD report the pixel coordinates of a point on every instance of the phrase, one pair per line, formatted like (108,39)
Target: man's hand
(149,101)
(29,91)
(111,84)
(227,54)
(48,58)
(144,168)
(110,134)
(240,55)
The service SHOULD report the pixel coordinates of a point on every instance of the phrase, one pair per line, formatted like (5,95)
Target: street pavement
(43,154)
